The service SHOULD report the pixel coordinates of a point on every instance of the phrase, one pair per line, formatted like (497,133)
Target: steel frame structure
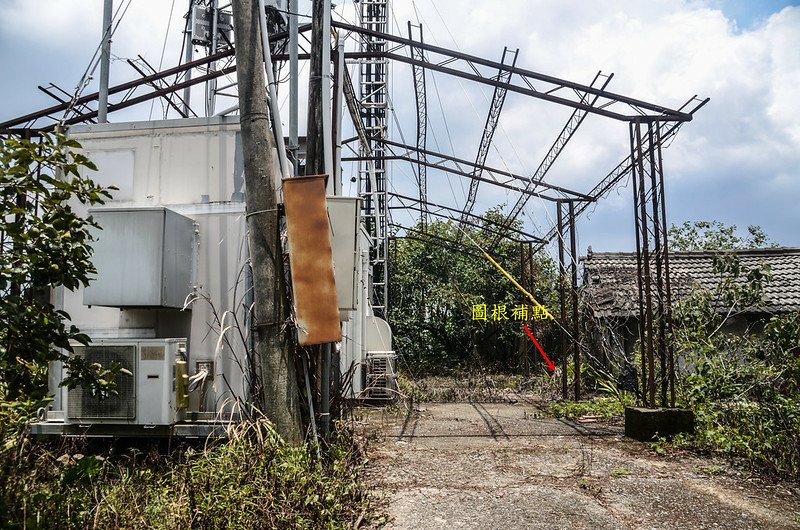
(650,128)
(575,120)
(485,223)
(373,99)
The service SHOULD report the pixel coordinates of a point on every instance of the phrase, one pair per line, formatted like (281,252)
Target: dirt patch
(509,465)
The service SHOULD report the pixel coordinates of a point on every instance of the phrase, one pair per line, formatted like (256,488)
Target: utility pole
(280,399)
(319,155)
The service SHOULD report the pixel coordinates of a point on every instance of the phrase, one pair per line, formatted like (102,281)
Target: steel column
(562,280)
(652,263)
(576,342)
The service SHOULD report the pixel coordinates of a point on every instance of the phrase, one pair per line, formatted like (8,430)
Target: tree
(44,244)
(742,387)
(435,284)
(714,235)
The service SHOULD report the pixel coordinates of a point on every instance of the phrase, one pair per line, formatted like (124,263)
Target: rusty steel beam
(429,204)
(454,245)
(536,85)
(452,171)
(421,98)
(624,168)
(123,87)
(494,171)
(457,221)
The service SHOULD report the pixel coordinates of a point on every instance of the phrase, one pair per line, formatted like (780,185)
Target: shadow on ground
(509,465)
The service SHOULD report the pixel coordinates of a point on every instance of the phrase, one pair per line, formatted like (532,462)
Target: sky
(737,162)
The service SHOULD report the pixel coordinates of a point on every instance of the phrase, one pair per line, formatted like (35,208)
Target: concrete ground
(508,465)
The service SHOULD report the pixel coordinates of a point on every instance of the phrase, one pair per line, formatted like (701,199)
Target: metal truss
(526,82)
(569,344)
(491,226)
(489,128)
(420,94)
(443,242)
(45,120)
(651,127)
(436,160)
(49,90)
(574,121)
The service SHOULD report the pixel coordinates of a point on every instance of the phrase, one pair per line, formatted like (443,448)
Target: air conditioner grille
(381,382)
(81,404)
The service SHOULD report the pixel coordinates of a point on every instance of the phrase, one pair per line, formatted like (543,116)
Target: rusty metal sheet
(311,260)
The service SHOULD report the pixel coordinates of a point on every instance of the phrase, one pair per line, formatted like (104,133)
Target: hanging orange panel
(311,260)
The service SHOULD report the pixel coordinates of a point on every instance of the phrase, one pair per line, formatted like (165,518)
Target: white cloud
(664,51)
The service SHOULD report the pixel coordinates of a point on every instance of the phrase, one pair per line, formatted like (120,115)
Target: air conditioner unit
(381,375)
(148,397)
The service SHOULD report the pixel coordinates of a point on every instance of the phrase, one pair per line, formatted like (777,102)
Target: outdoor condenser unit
(148,397)
(381,378)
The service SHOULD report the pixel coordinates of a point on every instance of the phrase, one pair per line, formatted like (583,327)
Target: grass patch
(605,408)
(251,480)
(620,472)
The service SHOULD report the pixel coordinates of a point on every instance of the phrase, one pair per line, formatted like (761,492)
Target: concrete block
(646,424)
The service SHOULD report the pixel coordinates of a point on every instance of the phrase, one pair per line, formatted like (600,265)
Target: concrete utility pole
(315,136)
(319,155)
(280,399)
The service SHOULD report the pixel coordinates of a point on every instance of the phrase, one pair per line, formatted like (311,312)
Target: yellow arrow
(517,285)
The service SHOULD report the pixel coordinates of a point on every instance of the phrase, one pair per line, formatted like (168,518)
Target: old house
(610,291)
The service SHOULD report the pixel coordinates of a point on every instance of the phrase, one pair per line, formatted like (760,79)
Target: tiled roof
(611,289)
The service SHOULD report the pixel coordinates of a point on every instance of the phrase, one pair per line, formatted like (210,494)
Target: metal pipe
(562,279)
(227,111)
(576,351)
(657,225)
(293,79)
(187,92)
(105,62)
(493,170)
(327,143)
(646,281)
(667,114)
(272,95)
(337,126)
(310,403)
(638,228)
(325,398)
(211,85)
(667,281)
(446,169)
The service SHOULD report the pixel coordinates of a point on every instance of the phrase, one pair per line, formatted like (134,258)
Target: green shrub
(251,480)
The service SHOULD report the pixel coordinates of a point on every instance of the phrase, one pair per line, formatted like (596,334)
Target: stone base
(646,425)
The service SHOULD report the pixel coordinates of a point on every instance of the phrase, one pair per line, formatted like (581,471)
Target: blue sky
(750,13)
(737,162)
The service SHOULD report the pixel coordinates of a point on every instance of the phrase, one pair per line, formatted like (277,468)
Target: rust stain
(311,260)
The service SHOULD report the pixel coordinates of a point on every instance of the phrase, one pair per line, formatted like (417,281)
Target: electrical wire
(161,59)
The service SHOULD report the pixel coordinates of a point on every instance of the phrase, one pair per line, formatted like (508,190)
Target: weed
(251,480)
(620,472)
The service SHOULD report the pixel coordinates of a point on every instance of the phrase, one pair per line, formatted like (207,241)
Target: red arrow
(549,362)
